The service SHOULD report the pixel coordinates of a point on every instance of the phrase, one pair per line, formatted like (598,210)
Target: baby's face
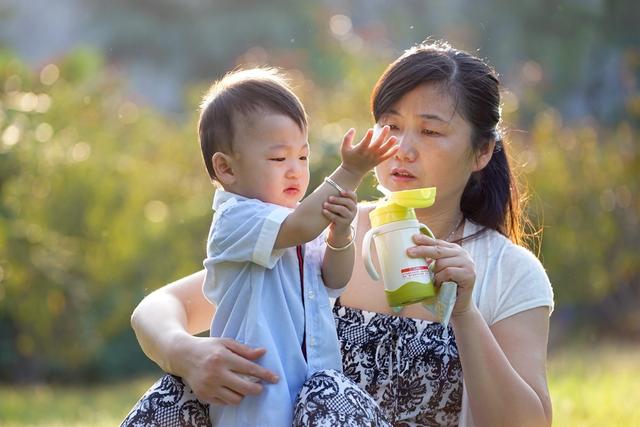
(271,160)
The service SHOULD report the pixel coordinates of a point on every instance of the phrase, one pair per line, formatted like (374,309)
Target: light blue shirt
(257,291)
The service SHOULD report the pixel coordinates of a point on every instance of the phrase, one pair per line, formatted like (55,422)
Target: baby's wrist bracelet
(342,248)
(334,184)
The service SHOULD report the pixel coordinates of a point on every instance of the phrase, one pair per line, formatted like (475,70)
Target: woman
(444,107)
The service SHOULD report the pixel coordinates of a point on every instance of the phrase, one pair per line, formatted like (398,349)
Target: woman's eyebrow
(427,116)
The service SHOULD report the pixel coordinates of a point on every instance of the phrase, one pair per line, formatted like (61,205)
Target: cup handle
(366,255)
(426,230)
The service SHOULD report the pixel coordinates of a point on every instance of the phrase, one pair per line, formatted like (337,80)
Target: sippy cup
(393,223)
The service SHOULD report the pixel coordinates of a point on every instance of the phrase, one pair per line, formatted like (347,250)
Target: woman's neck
(443,221)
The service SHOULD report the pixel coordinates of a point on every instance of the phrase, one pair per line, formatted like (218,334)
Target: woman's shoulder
(497,245)
(496,255)
(511,278)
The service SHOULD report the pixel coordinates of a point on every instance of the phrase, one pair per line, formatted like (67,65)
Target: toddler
(273,261)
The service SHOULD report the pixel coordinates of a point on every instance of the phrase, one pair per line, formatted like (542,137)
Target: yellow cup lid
(388,212)
(416,198)
(399,205)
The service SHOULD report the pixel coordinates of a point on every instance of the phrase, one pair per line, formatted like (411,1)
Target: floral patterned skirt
(396,372)
(409,366)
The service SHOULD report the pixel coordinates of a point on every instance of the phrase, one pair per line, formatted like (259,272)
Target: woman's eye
(393,127)
(430,132)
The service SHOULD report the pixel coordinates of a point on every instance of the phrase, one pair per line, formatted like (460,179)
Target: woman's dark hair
(491,196)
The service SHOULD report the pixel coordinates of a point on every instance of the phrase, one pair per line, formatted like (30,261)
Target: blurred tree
(103,199)
(586,183)
(100,201)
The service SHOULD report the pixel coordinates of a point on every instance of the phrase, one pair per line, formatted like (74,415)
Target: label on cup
(411,272)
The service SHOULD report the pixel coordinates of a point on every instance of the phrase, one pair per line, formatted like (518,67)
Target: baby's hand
(370,152)
(340,210)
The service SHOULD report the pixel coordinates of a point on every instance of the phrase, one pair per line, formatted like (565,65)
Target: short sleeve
(246,231)
(524,284)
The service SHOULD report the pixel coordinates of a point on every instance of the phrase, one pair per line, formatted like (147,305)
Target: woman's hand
(452,264)
(221,370)
(340,210)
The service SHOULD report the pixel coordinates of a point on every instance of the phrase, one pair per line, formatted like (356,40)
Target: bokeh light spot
(340,25)
(80,152)
(623,196)
(532,72)
(44,132)
(44,103)
(156,211)
(49,74)
(11,135)
(27,102)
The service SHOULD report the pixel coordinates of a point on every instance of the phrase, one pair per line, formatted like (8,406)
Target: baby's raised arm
(307,221)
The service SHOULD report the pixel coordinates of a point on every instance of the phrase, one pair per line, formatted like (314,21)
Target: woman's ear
(223,167)
(484,156)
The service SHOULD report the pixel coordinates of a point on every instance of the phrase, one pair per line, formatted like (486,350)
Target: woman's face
(435,145)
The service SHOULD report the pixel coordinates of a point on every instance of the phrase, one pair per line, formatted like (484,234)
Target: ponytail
(491,197)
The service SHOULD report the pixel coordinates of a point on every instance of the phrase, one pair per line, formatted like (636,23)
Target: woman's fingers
(227,372)
(451,274)
(436,251)
(243,350)
(424,240)
(241,361)
(227,396)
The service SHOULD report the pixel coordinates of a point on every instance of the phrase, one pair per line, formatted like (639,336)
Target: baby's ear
(222,166)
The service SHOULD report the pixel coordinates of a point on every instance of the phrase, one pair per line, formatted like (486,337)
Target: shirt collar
(222,196)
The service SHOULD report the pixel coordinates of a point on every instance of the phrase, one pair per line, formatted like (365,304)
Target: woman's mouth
(399,174)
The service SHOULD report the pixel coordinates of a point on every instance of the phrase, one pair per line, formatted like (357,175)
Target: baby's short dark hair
(237,96)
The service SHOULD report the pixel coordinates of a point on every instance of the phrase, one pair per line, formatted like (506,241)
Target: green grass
(598,387)
(69,406)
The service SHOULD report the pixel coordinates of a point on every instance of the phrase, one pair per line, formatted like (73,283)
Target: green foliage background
(104,198)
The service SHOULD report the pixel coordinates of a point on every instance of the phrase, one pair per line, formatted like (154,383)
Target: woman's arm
(164,322)
(505,367)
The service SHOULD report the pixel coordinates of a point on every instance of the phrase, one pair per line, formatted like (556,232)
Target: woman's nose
(406,150)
